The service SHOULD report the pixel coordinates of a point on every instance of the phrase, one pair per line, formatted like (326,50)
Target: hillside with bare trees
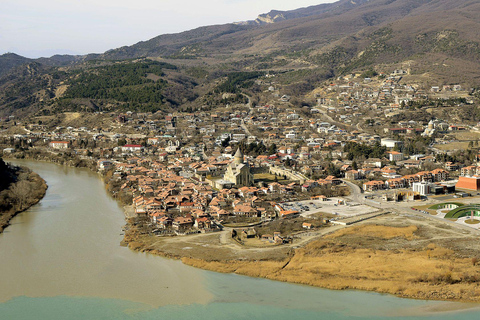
(20,188)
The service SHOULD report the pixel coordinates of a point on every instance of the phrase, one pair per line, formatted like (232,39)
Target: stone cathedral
(238,172)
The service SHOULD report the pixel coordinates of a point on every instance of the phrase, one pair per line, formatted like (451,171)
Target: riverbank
(68,246)
(404,256)
(27,190)
(401,255)
(30,187)
(69,159)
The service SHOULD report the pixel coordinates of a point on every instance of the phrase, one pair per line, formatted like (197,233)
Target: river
(61,259)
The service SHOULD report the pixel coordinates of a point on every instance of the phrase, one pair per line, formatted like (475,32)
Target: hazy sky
(35,28)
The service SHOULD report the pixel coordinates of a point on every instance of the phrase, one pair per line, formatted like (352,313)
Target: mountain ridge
(435,37)
(278,15)
(330,21)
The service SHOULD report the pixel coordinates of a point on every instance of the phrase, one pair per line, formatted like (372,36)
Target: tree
(121,142)
(21,192)
(333,171)
(272,149)
(226,142)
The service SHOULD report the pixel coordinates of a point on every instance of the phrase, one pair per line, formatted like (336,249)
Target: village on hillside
(369,145)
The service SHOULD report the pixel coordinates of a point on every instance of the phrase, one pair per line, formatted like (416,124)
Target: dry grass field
(267,177)
(407,256)
(426,272)
(452,146)
(467,135)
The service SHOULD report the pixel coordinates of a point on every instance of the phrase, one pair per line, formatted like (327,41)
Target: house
(105,164)
(307,226)
(373,185)
(352,175)
(182,223)
(450,166)
(221,214)
(132,148)
(390,143)
(396,183)
(267,237)
(287,214)
(203,223)
(374,162)
(423,188)
(440,175)
(186,206)
(245,210)
(395,156)
(309,185)
(469,171)
(412,164)
(164,222)
(163,156)
(333,180)
(320,197)
(59,144)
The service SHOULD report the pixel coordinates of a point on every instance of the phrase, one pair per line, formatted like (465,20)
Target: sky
(42,28)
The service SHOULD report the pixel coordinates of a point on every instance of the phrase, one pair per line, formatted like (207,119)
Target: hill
(313,28)
(277,16)
(437,40)
(9,61)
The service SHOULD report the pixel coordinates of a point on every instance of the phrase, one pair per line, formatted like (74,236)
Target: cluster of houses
(177,200)
(184,177)
(409,181)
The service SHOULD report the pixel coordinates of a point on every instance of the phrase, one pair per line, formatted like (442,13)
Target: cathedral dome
(238,157)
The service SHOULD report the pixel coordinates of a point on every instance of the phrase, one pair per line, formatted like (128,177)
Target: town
(370,143)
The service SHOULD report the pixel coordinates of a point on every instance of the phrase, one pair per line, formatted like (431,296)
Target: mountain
(414,27)
(312,28)
(9,61)
(277,16)
(436,39)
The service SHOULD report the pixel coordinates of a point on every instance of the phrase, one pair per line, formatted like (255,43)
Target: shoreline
(276,269)
(35,182)
(386,272)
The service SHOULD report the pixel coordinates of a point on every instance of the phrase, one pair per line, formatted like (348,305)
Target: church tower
(238,157)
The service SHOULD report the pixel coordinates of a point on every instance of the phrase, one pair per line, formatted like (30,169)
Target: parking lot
(335,206)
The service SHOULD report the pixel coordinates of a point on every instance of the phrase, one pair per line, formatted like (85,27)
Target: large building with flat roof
(468,183)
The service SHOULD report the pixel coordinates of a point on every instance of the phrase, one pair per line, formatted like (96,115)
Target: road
(243,125)
(245,128)
(324,113)
(400,208)
(356,194)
